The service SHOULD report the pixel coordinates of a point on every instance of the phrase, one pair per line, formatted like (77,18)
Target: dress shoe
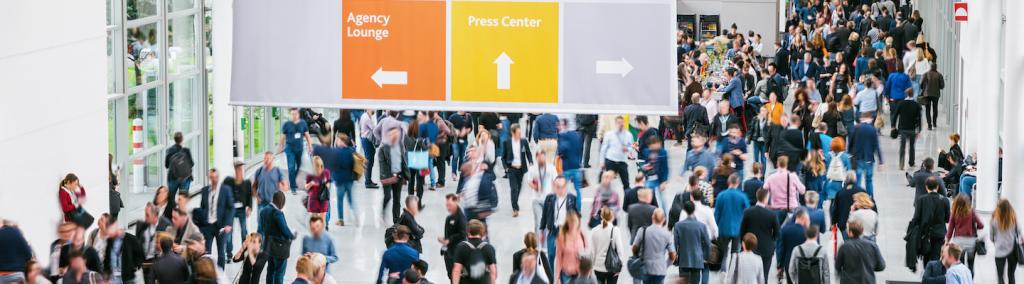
(372,185)
(515,213)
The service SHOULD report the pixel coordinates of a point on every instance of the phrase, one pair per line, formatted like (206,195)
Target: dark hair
(928,164)
(475,227)
(762,194)
(734,179)
(279,199)
(855,227)
(641,119)
(315,219)
(750,241)
(402,232)
(166,242)
(811,232)
(421,265)
(178,137)
(411,276)
(452,197)
(931,183)
(69,178)
(697,195)
(688,206)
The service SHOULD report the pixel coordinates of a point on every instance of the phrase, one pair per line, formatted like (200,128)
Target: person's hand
(248,211)
(178,249)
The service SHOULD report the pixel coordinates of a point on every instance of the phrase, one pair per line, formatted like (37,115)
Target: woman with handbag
(419,160)
(608,247)
(604,197)
(319,190)
(530,241)
(72,197)
(1006,240)
(964,224)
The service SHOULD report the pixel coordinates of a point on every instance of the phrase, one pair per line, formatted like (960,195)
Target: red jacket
(966,226)
(67,205)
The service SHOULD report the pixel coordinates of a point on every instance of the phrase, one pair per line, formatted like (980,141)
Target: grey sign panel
(618,53)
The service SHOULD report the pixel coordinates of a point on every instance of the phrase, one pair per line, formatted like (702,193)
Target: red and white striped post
(138,174)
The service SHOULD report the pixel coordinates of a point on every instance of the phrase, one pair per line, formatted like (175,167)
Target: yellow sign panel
(504,52)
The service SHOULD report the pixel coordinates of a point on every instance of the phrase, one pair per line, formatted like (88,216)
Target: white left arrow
(382,77)
(504,71)
(619,67)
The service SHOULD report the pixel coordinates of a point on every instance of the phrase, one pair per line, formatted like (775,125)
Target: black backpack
(476,269)
(181,165)
(809,268)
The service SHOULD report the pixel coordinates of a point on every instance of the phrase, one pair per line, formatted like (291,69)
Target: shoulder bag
(979,243)
(612,262)
(418,157)
(635,263)
(1017,247)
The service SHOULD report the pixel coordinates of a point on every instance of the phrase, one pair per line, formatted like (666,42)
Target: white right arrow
(620,67)
(382,77)
(504,71)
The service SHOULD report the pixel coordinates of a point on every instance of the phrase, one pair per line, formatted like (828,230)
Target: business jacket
(864,143)
(170,268)
(804,71)
(858,260)
(791,143)
(717,126)
(931,213)
(547,219)
(190,230)
(140,232)
(131,256)
(525,155)
(840,209)
(692,242)
(273,225)
(406,219)
(920,177)
(764,224)
(734,92)
(907,116)
(695,119)
(932,84)
(384,162)
(225,207)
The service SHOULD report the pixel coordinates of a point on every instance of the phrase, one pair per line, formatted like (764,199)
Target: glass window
(111,62)
(182,45)
(112,127)
(138,9)
(110,12)
(152,117)
(183,100)
(135,115)
(142,58)
(259,129)
(177,5)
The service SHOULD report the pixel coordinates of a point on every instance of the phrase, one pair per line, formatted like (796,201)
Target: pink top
(776,184)
(568,253)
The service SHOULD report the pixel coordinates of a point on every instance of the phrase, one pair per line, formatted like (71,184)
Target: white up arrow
(382,77)
(620,67)
(504,71)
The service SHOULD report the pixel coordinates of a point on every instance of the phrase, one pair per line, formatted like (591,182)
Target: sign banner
(567,56)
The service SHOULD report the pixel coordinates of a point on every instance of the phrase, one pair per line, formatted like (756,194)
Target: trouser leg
(515,181)
(369,151)
(588,139)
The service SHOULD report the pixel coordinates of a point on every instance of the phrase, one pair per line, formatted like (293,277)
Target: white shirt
(711,106)
(561,205)
(212,214)
(515,153)
(706,216)
(616,145)
(367,122)
(909,58)
(545,177)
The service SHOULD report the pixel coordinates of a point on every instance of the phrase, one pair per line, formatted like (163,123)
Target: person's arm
(879,260)
(331,255)
(456,273)
(383,266)
(493,268)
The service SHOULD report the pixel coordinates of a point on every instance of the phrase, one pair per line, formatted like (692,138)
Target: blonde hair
(304,265)
(961,206)
(815,164)
(572,222)
(863,201)
(1004,217)
(318,164)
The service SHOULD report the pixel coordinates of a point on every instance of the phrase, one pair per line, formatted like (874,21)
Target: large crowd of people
(763,184)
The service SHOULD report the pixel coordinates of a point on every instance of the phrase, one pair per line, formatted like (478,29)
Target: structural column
(982,70)
(1013,102)
(223,117)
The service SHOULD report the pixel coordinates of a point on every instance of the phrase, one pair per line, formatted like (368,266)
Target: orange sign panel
(393,50)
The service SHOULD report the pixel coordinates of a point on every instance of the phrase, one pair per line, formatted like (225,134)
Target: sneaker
(339,223)
(432,189)
(515,213)
(372,185)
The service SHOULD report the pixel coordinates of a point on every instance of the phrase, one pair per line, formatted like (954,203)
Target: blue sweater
(864,143)
(661,163)
(570,148)
(323,245)
(398,258)
(729,145)
(729,209)
(16,251)
(337,160)
(896,85)
(735,92)
(545,126)
(428,130)
(862,66)
(704,157)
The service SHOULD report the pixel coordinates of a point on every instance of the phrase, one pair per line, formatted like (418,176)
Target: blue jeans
(275,270)
(294,162)
(831,188)
(551,245)
(458,150)
(344,189)
(866,175)
(212,233)
(916,84)
(16,277)
(654,279)
(242,229)
(759,155)
(576,177)
(173,186)
(259,223)
(653,185)
(369,151)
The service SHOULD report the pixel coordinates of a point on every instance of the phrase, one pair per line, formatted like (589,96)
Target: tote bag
(418,158)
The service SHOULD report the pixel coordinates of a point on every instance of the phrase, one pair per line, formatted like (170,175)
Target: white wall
(52,110)
(757,15)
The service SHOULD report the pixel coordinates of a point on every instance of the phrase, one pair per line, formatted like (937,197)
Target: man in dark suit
(274,228)
(557,206)
(805,68)
(639,214)
(516,158)
(169,267)
(216,215)
(781,63)
(146,230)
(123,255)
(931,213)
(586,125)
(764,224)
(790,143)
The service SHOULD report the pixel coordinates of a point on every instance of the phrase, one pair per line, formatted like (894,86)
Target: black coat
(132,256)
(840,209)
(931,213)
(717,127)
(547,219)
(384,162)
(695,118)
(171,268)
(92,257)
(415,240)
(764,224)
(524,154)
(455,229)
